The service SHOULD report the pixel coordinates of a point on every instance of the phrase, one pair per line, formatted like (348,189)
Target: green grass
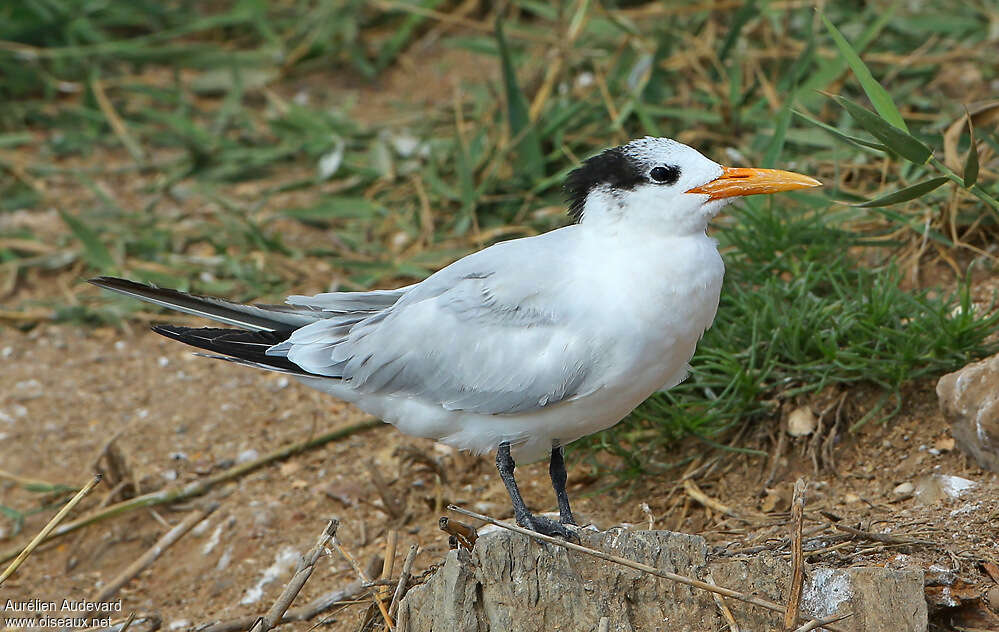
(171,139)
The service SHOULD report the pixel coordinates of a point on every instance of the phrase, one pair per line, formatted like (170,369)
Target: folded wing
(463,347)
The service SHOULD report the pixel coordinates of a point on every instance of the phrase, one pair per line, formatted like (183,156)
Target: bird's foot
(546,526)
(568,518)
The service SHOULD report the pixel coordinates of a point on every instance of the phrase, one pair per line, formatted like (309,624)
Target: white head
(661,185)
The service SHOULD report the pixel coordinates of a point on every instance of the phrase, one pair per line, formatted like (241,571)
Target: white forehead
(653,151)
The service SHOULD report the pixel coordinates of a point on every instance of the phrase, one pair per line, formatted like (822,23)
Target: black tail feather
(236,343)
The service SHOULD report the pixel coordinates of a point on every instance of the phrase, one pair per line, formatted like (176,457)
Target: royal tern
(526,345)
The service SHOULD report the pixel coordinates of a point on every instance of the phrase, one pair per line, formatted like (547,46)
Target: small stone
(969,400)
(992,597)
(904,489)
(936,487)
(801,422)
(851,498)
(944,444)
(937,575)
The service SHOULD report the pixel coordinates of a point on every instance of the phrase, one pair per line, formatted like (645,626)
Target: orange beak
(737,181)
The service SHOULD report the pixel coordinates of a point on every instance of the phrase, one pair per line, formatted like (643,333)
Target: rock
(801,422)
(936,487)
(969,400)
(904,489)
(511,583)
(880,599)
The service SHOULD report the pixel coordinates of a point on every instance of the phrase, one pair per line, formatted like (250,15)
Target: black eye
(665,175)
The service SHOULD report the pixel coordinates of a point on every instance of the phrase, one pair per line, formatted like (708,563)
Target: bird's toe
(547,526)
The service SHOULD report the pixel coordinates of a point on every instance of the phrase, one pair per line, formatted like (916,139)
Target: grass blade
(828,70)
(971,162)
(744,14)
(528,145)
(780,133)
(908,193)
(903,143)
(879,97)
(96,252)
(846,138)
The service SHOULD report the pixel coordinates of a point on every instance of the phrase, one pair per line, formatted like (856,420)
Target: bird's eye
(665,175)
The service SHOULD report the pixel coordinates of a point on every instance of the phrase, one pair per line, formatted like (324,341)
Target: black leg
(557,471)
(505,465)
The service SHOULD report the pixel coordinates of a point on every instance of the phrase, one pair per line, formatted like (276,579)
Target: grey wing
(476,345)
(344,308)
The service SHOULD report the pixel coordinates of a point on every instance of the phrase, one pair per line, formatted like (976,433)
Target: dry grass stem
(797,558)
(881,537)
(733,626)
(47,529)
(317,606)
(404,576)
(169,539)
(697,494)
(115,121)
(364,580)
(388,563)
(818,623)
(153,621)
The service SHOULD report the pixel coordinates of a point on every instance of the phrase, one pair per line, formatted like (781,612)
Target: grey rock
(511,583)
(934,488)
(969,400)
(881,600)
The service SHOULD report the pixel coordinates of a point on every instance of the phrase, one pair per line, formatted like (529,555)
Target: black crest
(612,167)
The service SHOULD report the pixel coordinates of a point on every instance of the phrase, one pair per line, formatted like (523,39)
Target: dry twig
(463,533)
(400,589)
(818,623)
(697,494)
(152,620)
(364,580)
(879,537)
(733,625)
(305,567)
(388,563)
(317,606)
(150,556)
(797,558)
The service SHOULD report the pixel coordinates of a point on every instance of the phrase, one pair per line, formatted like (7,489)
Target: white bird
(529,344)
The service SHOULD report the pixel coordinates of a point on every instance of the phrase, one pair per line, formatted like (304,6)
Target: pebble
(801,422)
(904,489)
(247,455)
